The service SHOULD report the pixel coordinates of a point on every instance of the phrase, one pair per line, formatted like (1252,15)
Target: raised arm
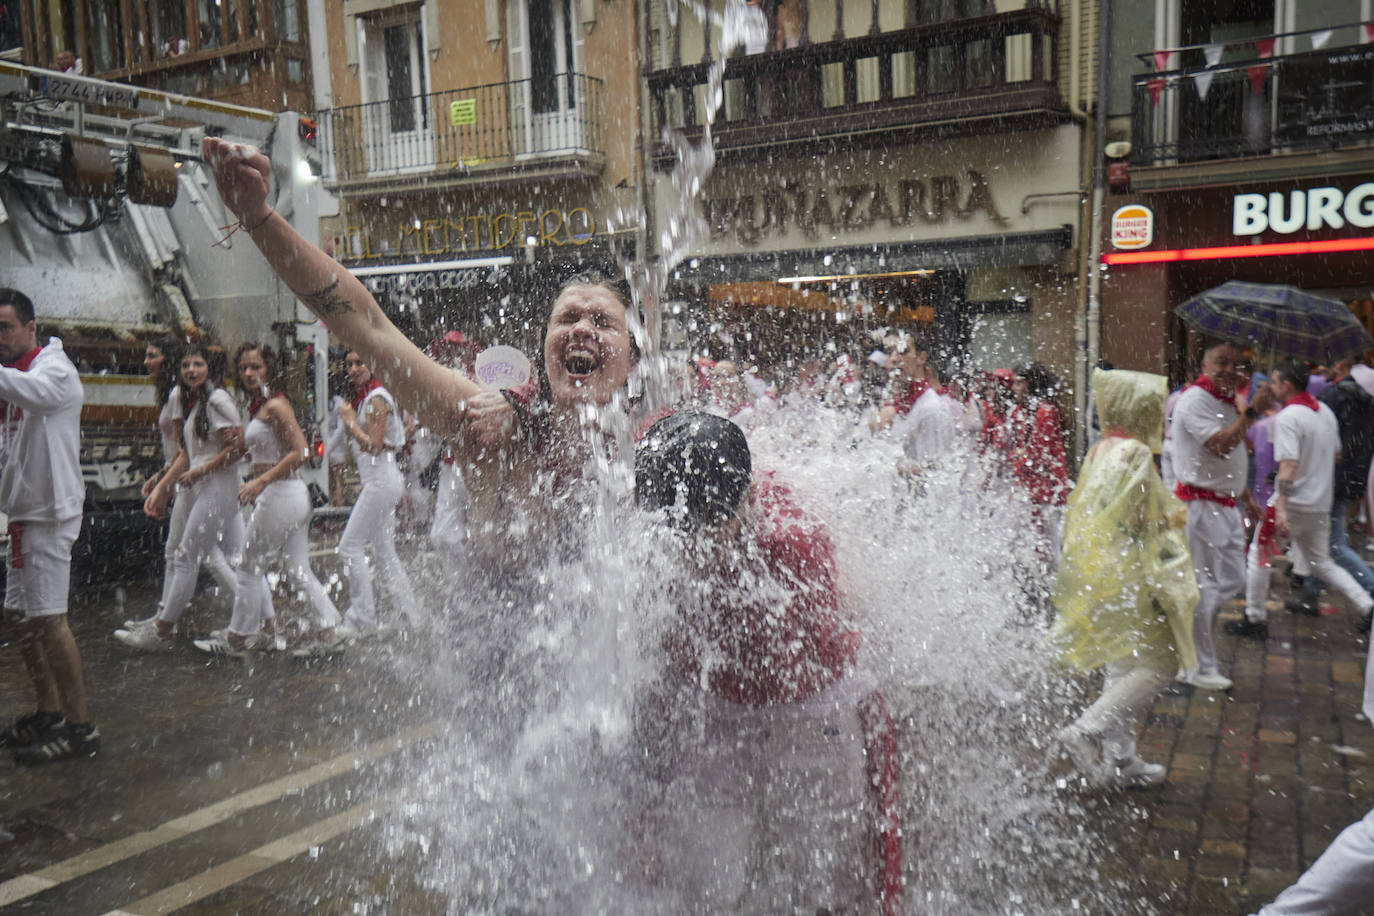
(333,294)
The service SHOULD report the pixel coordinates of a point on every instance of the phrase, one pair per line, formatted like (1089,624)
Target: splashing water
(544,793)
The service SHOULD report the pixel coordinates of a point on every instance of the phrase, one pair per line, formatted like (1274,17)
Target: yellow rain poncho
(1126,588)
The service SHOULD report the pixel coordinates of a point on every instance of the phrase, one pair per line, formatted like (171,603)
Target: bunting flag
(1265,47)
(1213,52)
(1319,39)
(1202,81)
(1256,74)
(1369,31)
(1164,60)
(1156,86)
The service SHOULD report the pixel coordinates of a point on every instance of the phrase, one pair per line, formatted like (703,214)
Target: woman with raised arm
(372,424)
(205,474)
(281,514)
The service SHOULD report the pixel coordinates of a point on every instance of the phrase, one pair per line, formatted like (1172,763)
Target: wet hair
(1040,382)
(696,465)
(616,286)
(1293,372)
(214,359)
(22,304)
(170,348)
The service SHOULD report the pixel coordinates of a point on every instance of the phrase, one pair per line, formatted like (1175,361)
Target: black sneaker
(1247,627)
(64,744)
(1306,606)
(31,729)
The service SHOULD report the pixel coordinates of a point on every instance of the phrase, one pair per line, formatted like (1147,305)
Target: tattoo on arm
(327,302)
(1285,487)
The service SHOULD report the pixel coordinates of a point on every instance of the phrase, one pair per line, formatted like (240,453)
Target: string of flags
(1264,50)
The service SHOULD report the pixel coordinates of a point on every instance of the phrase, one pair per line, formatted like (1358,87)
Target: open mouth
(580,362)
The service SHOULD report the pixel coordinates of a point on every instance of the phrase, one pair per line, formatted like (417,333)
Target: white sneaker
(315,649)
(141,623)
(1082,747)
(1195,678)
(145,638)
(1136,774)
(348,630)
(220,647)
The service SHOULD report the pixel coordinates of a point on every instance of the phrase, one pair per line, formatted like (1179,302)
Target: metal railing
(1314,100)
(967,68)
(462,130)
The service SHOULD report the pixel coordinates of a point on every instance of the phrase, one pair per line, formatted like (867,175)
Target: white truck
(110,223)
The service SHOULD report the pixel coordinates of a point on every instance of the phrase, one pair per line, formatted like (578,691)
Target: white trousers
(213,520)
(450,525)
(1127,691)
(216,561)
(1340,883)
(769,811)
(372,525)
(279,528)
(1309,533)
(1216,540)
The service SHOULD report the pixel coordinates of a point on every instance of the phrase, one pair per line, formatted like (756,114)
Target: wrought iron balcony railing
(1310,101)
(480,129)
(947,75)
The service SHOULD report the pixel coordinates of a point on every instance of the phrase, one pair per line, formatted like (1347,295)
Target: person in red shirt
(799,744)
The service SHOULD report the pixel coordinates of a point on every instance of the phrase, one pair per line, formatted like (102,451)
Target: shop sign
(480,232)
(1133,226)
(850,208)
(1310,209)
(420,280)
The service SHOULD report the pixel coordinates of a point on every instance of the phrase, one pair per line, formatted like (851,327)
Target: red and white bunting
(1264,47)
(1213,52)
(1164,60)
(1256,74)
(1202,81)
(1369,31)
(1156,86)
(1319,39)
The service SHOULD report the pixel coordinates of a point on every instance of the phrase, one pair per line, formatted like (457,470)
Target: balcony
(1310,102)
(956,77)
(522,128)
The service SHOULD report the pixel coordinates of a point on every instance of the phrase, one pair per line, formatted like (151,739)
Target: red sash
(1188,493)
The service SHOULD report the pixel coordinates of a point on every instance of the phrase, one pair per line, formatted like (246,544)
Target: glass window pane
(399,77)
(167,21)
(904,75)
(1018,50)
(940,69)
(107,37)
(211,34)
(832,85)
(287,18)
(867,73)
(978,64)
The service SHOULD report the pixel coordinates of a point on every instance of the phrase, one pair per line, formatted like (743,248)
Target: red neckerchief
(908,398)
(1303,399)
(371,386)
(260,399)
(22,364)
(1208,386)
(191,402)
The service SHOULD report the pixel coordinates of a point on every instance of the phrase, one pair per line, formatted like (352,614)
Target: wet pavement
(225,788)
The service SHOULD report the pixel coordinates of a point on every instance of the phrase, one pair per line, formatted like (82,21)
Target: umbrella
(1278,320)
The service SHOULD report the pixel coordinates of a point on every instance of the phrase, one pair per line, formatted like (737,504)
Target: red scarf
(908,398)
(1303,399)
(371,386)
(1208,386)
(259,399)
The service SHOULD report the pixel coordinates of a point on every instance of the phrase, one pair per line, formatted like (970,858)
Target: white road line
(36,882)
(216,879)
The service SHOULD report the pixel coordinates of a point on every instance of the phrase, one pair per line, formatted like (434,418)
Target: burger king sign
(1133,226)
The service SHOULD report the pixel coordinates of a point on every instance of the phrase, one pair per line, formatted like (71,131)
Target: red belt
(1188,493)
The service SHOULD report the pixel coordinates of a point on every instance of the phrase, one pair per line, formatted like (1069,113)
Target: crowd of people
(1131,566)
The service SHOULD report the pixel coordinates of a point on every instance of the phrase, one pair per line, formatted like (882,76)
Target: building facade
(1249,158)
(882,164)
(481,151)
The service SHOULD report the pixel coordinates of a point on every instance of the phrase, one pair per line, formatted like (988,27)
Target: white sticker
(499,368)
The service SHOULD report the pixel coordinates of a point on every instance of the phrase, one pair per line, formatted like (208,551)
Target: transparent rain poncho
(1126,587)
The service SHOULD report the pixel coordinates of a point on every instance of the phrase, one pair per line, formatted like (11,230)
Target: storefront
(482,263)
(969,240)
(1162,247)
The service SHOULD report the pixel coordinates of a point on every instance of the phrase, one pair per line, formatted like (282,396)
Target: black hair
(214,358)
(1293,372)
(696,465)
(1040,382)
(22,304)
(170,348)
(269,358)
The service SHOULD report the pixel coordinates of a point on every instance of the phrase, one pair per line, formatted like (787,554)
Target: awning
(1013,249)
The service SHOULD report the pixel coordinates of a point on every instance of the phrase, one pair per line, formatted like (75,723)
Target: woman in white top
(205,474)
(372,424)
(281,512)
(162,359)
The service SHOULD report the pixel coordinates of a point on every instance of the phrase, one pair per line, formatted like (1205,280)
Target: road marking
(36,882)
(216,879)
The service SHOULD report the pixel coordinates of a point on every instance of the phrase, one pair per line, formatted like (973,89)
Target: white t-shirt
(224,414)
(1197,417)
(40,439)
(1313,439)
(376,468)
(167,428)
(927,431)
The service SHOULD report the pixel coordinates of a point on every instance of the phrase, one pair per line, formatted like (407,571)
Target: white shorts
(39,567)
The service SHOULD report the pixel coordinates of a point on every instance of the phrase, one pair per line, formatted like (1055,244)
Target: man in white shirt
(1209,463)
(42,493)
(1306,444)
